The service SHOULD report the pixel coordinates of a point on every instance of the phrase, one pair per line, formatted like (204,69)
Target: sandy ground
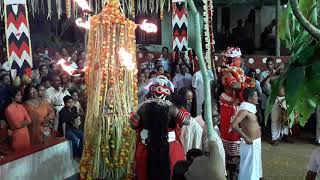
(286,161)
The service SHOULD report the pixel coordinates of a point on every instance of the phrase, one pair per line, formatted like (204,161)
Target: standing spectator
(197,84)
(265,85)
(279,119)
(182,79)
(18,120)
(314,165)
(56,93)
(42,116)
(165,61)
(250,147)
(188,95)
(69,121)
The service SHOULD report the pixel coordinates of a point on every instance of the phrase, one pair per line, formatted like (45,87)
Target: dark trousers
(76,138)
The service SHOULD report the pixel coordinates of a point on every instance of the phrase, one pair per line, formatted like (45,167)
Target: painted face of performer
(237,62)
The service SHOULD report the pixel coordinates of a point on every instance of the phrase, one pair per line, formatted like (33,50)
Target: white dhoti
(250,160)
(277,128)
(191,136)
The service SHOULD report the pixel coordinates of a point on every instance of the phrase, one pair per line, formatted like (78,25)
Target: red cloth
(226,113)
(176,154)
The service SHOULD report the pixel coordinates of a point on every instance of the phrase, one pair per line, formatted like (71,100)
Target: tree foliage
(301,79)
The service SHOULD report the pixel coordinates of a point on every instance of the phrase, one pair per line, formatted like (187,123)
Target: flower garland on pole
(112,94)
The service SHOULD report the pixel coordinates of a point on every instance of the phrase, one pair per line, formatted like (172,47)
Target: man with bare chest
(246,124)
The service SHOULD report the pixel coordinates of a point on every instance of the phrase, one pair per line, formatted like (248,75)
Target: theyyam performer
(157,123)
(234,82)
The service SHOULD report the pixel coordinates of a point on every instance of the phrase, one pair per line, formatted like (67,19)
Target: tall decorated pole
(217,163)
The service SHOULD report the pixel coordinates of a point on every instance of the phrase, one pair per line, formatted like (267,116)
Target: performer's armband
(134,120)
(181,117)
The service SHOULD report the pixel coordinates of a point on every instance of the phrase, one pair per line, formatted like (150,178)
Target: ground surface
(286,161)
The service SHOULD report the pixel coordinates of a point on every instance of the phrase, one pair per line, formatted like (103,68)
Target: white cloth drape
(277,128)
(191,136)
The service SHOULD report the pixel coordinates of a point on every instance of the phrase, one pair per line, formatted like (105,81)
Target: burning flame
(69,68)
(126,59)
(83,5)
(80,23)
(148,27)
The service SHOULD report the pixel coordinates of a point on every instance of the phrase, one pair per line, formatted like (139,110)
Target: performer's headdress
(233,52)
(160,87)
(233,56)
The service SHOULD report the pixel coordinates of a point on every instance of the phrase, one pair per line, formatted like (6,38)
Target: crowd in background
(49,104)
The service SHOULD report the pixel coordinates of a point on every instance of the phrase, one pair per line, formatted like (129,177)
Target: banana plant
(299,31)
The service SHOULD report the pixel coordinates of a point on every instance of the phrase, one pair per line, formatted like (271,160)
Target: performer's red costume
(234,82)
(158,142)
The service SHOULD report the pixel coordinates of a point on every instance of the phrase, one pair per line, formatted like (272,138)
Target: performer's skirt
(176,154)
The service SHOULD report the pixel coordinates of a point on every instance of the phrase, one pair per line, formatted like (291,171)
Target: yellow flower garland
(112,95)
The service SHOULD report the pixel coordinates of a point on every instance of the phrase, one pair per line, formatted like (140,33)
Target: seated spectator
(65,81)
(43,70)
(180,168)
(41,91)
(153,74)
(75,96)
(160,70)
(45,82)
(56,93)
(42,116)
(77,84)
(69,121)
(18,120)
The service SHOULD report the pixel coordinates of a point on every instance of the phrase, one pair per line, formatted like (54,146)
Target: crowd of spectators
(48,105)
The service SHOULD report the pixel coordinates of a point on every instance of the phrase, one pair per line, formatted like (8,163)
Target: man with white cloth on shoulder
(250,147)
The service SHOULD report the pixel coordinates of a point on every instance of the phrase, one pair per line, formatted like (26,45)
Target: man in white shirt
(197,84)
(314,165)
(165,61)
(56,93)
(182,79)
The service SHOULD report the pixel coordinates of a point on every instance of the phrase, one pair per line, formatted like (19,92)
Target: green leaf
(284,29)
(308,9)
(294,85)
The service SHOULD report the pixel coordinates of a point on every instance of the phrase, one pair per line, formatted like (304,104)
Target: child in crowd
(69,122)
